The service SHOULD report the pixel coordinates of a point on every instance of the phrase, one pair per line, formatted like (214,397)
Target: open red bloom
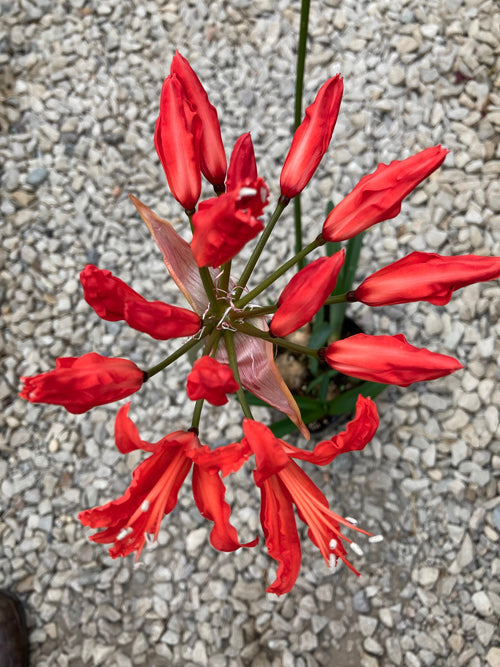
(425,276)
(389,359)
(153,493)
(113,300)
(378,196)
(311,138)
(81,383)
(211,380)
(177,139)
(212,156)
(306,292)
(283,484)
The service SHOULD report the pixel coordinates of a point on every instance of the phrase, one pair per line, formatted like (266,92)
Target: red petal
(160,320)
(270,456)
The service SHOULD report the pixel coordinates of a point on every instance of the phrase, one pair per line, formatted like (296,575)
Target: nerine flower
(114,300)
(153,493)
(378,196)
(425,276)
(388,359)
(283,484)
(311,139)
(82,383)
(210,380)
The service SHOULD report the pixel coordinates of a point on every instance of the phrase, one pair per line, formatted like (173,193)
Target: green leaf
(346,402)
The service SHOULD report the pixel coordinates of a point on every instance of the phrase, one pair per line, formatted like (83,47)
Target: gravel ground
(80,84)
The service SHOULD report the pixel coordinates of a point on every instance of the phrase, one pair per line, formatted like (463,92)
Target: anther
(376,538)
(351,520)
(145,506)
(356,548)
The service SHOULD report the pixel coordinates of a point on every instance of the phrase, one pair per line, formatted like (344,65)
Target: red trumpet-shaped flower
(425,276)
(306,293)
(113,300)
(378,196)
(153,493)
(177,139)
(223,225)
(212,156)
(388,359)
(211,380)
(311,139)
(81,383)
(283,484)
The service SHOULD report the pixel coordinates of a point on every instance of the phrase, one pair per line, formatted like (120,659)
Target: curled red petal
(210,380)
(160,320)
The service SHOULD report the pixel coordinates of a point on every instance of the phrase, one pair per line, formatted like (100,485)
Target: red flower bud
(378,196)
(425,276)
(177,138)
(242,165)
(306,292)
(113,300)
(81,383)
(211,380)
(389,359)
(212,155)
(311,138)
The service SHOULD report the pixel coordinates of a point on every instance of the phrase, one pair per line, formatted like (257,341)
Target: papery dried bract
(378,196)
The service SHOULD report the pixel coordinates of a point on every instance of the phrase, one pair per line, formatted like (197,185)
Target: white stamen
(247,192)
(351,520)
(145,506)
(356,548)
(122,534)
(333,544)
(332,562)
(376,538)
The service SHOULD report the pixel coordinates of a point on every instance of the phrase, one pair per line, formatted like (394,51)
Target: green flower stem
(319,241)
(299,85)
(224,279)
(173,357)
(254,257)
(206,279)
(233,363)
(338,298)
(198,407)
(282,342)
(255,312)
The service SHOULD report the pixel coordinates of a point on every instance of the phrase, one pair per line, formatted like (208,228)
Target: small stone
(367,625)
(36,177)
(372,646)
(393,650)
(427,576)
(493,657)
(484,632)
(195,539)
(464,557)
(482,603)
(360,602)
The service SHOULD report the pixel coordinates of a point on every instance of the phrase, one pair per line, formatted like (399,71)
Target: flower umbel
(235,342)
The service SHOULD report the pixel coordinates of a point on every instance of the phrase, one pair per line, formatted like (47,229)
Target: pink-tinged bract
(82,383)
(177,139)
(306,293)
(388,359)
(211,149)
(311,139)
(425,276)
(378,196)
(210,380)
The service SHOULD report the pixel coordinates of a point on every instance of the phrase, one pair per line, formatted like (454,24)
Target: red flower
(378,196)
(211,380)
(114,300)
(223,225)
(306,292)
(311,138)
(81,383)
(153,493)
(242,166)
(212,155)
(283,484)
(425,276)
(177,138)
(389,359)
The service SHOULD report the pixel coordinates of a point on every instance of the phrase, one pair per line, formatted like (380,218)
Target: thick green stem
(173,357)
(338,298)
(233,363)
(299,86)
(255,312)
(206,279)
(224,279)
(254,257)
(319,241)
(195,421)
(282,342)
